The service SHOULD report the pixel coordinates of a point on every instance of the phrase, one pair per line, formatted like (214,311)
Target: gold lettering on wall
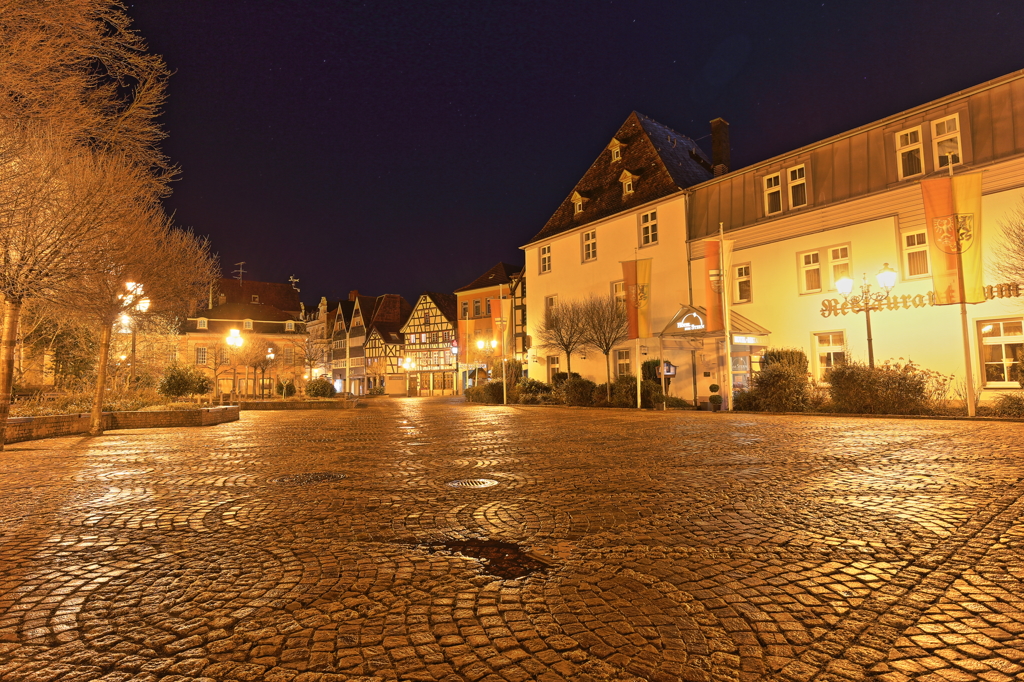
(834,307)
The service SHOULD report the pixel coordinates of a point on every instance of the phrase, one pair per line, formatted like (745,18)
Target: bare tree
(314,352)
(563,329)
(606,325)
(1009,261)
(256,354)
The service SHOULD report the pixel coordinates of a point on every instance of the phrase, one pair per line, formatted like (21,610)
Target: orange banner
(952,212)
(629,285)
(637,276)
(713,279)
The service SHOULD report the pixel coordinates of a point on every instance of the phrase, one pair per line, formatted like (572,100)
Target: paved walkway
(678,546)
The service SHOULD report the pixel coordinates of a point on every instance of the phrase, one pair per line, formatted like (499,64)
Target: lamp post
(866,300)
(501,322)
(263,381)
(455,361)
(234,341)
(133,300)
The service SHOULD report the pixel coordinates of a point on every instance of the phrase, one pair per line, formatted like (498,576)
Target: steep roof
(247,311)
(390,332)
(345,309)
(392,308)
(281,296)
(657,157)
(446,303)
(500,274)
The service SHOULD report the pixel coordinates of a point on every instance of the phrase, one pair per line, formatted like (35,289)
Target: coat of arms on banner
(638,294)
(954,233)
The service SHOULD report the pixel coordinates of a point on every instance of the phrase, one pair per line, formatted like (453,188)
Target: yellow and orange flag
(718,263)
(637,276)
(952,213)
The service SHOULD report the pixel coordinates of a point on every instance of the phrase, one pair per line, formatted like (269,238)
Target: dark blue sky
(398,147)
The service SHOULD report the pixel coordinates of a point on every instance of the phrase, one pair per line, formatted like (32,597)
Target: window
(487,306)
(619,291)
(627,187)
(201,323)
(465,310)
(289,356)
(577,207)
(1002,348)
(831,348)
(908,152)
(915,253)
(289,326)
(839,259)
(946,141)
(200,355)
(545,259)
(772,194)
(476,308)
(810,272)
(550,302)
(622,364)
(553,366)
(426,318)
(616,153)
(741,289)
(797,187)
(590,245)
(649,228)
(247,324)
(255,298)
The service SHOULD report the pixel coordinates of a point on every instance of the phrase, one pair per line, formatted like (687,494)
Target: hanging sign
(692,322)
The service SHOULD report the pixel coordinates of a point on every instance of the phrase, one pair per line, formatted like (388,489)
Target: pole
(871,347)
(964,327)
(661,359)
(639,373)
(725,321)
(131,375)
(504,382)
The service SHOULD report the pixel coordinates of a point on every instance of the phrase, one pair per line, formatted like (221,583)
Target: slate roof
(246,311)
(391,332)
(500,274)
(657,156)
(345,309)
(446,303)
(281,296)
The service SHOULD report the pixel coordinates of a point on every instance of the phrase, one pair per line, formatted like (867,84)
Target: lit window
(590,245)
(831,348)
(810,267)
(772,194)
(545,259)
(201,355)
(577,206)
(648,228)
(289,326)
(915,253)
(839,260)
(741,290)
(476,307)
(201,323)
(487,306)
(797,187)
(946,141)
(465,310)
(908,153)
(622,364)
(289,356)
(247,324)
(1002,349)
(616,154)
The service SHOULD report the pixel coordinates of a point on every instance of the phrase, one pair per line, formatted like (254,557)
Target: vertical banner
(501,318)
(952,213)
(629,284)
(643,298)
(712,298)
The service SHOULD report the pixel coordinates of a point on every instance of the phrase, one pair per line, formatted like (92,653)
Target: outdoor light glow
(494,343)
(480,343)
(234,338)
(886,278)
(844,286)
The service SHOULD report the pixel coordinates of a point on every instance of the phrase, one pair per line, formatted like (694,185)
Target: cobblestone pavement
(322,546)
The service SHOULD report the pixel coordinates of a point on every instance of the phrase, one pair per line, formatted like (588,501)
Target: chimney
(352,294)
(719,146)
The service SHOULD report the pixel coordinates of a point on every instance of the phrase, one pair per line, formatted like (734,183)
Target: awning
(691,323)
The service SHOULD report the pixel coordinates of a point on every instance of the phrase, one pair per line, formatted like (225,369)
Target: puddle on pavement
(310,478)
(503,559)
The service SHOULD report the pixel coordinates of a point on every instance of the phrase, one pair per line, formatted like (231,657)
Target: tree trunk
(608,373)
(568,365)
(8,339)
(96,419)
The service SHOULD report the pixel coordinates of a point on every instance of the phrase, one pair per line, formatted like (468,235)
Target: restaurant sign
(834,307)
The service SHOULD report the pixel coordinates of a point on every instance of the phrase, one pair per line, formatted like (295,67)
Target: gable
(658,160)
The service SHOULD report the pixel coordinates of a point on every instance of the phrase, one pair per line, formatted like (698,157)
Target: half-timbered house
(429,363)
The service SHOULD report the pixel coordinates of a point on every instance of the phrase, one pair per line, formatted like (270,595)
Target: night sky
(400,147)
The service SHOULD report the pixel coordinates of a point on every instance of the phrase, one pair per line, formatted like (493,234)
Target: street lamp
(133,300)
(234,341)
(867,300)
(263,381)
(455,361)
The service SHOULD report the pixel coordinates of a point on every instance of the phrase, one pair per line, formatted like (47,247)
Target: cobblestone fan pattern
(323,546)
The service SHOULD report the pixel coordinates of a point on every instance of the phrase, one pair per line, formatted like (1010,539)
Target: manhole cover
(473,483)
(310,478)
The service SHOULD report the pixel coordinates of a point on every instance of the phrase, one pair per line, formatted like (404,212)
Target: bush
(893,388)
(1010,404)
(780,387)
(744,401)
(286,389)
(489,392)
(791,357)
(183,380)
(578,391)
(649,371)
(624,392)
(672,401)
(559,377)
(715,399)
(320,388)
(533,386)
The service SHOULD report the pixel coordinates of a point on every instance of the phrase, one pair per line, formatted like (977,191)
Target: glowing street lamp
(234,341)
(866,300)
(133,300)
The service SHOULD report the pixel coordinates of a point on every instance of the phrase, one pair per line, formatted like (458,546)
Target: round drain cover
(310,478)
(473,483)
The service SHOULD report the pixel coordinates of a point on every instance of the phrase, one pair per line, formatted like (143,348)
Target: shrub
(649,371)
(558,377)
(744,401)
(286,389)
(793,357)
(780,387)
(533,386)
(715,399)
(1010,404)
(489,392)
(183,380)
(893,388)
(320,388)
(578,391)
(624,391)
(672,401)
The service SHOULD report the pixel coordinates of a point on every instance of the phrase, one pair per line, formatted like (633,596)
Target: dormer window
(247,324)
(615,147)
(201,323)
(289,326)
(616,154)
(255,298)
(628,181)
(577,203)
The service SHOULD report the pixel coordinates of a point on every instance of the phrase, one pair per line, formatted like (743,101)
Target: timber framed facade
(429,332)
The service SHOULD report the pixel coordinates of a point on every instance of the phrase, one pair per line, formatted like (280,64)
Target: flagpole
(725,316)
(964,327)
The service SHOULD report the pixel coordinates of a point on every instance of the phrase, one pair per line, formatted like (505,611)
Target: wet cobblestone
(328,546)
